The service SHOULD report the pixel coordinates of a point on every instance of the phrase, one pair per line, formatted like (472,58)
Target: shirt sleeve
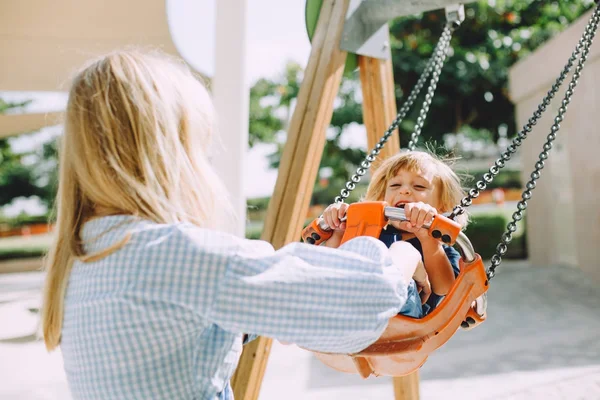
(322,299)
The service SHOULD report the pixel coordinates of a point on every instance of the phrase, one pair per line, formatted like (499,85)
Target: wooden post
(299,166)
(379,110)
(379,104)
(301,158)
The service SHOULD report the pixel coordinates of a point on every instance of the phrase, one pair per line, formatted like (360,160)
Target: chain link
(437,70)
(583,46)
(434,65)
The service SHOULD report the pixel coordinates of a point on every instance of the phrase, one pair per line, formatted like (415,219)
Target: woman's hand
(408,259)
(422,280)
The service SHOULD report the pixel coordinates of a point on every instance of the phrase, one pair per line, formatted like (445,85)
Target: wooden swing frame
(301,158)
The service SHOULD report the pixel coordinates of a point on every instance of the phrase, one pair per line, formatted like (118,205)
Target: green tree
(46,171)
(270,104)
(39,177)
(337,160)
(472,93)
(16,178)
(473,87)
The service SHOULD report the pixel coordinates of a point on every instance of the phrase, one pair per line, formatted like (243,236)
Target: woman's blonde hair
(137,128)
(447,181)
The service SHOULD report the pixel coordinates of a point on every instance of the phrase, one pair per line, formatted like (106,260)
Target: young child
(423,185)
(146,298)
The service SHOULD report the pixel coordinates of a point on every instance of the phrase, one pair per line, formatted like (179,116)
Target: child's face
(412,187)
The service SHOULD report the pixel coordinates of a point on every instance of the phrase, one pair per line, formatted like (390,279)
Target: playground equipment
(302,154)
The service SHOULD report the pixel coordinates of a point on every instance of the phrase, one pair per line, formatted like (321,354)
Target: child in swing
(423,185)
(144,294)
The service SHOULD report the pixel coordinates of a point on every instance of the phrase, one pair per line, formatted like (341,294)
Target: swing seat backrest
(407,342)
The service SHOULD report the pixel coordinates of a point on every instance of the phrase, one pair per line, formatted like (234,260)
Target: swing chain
(535,175)
(437,71)
(488,177)
(432,65)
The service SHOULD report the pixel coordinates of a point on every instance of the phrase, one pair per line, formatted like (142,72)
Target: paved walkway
(541,341)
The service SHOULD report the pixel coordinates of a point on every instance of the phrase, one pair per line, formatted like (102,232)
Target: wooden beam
(299,166)
(407,387)
(306,135)
(16,124)
(379,104)
(379,110)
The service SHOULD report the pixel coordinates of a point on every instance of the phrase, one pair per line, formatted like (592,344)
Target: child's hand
(417,214)
(333,215)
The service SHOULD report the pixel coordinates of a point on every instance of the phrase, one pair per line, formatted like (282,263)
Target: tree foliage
(472,94)
(16,177)
(473,87)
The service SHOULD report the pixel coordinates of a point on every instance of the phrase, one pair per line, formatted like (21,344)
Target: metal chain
(539,165)
(437,70)
(488,177)
(439,52)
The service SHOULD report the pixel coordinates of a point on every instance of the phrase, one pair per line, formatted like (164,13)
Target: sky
(275,34)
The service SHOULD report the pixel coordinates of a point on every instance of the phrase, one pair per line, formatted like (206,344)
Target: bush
(254,232)
(258,204)
(13,254)
(485,232)
(24,219)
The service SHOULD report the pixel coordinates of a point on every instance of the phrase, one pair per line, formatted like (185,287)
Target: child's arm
(437,265)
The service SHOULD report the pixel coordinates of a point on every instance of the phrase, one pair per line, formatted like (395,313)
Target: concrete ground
(541,341)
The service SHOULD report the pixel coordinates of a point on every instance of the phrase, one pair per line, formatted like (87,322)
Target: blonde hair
(137,127)
(446,180)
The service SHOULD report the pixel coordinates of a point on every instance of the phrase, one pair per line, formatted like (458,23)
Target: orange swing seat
(407,342)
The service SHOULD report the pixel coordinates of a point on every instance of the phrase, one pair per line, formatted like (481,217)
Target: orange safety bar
(407,342)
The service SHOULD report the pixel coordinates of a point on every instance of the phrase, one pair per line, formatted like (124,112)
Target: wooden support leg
(299,166)
(379,110)
(407,387)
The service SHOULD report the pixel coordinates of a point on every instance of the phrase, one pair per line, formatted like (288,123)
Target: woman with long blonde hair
(144,295)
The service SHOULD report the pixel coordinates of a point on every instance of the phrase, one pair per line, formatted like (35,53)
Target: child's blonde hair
(447,181)
(137,127)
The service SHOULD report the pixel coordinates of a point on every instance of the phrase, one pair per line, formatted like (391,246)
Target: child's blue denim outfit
(413,307)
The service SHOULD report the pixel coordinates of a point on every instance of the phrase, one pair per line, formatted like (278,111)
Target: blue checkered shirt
(163,317)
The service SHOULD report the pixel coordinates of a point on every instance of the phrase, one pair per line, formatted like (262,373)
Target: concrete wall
(563,216)
(43,42)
